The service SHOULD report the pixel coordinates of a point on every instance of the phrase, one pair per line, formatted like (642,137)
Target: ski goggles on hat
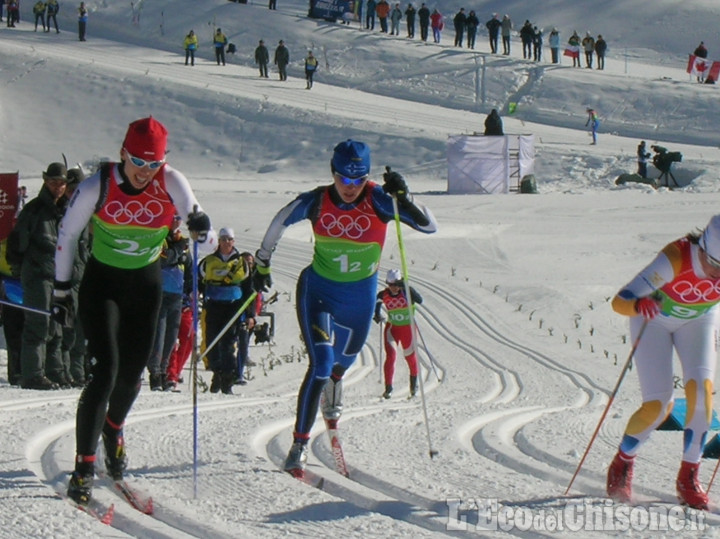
(140,163)
(351,181)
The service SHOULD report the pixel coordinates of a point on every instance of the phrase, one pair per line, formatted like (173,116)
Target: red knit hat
(147,139)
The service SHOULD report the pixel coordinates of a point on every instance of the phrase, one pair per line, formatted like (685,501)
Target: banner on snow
(332,10)
(8,202)
(703,68)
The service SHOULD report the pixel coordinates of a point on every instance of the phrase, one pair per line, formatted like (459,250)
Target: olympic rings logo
(345,226)
(702,291)
(395,303)
(134,212)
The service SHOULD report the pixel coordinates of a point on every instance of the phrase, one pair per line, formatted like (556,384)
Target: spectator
(222,274)
(184,345)
(594,122)
(13,13)
(397,329)
(554,41)
(395,18)
(494,124)
(82,21)
(493,25)
(424,16)
(459,22)
(588,44)
(175,266)
(370,15)
(52,10)
(383,10)
(282,59)
(39,12)
(31,247)
(701,52)
(12,319)
(119,320)
(336,292)
(472,25)
(574,46)
(537,44)
(600,48)
(73,338)
(2,3)
(410,21)
(642,159)
(311,65)
(262,58)
(506,27)
(219,42)
(272,4)
(526,36)
(190,44)
(437,23)
(22,198)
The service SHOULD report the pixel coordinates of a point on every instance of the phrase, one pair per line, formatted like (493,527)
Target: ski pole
(24,308)
(228,325)
(432,359)
(403,262)
(610,401)
(195,359)
(380,353)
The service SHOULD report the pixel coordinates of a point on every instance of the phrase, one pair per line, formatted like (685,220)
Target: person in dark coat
(262,57)
(642,157)
(472,24)
(600,48)
(537,44)
(526,36)
(282,59)
(424,17)
(493,124)
(459,21)
(410,20)
(493,26)
(701,52)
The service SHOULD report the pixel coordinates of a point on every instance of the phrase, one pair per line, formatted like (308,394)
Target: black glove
(62,310)
(395,185)
(199,223)
(261,279)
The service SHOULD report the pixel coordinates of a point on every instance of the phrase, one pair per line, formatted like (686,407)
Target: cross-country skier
(677,296)
(397,329)
(131,205)
(336,293)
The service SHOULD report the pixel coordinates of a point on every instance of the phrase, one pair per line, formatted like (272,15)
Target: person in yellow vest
(190,45)
(311,64)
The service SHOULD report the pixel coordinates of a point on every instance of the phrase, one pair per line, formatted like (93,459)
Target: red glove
(647,307)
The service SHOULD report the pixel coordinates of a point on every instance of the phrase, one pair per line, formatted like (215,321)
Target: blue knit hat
(351,159)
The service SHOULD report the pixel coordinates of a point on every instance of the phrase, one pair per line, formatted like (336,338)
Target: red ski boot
(689,490)
(619,479)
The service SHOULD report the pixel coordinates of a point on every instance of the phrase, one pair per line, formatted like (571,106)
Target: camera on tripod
(664,159)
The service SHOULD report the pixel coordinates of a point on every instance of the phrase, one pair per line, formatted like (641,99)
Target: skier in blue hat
(349,219)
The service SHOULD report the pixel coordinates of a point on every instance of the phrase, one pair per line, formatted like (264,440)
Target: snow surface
(516,313)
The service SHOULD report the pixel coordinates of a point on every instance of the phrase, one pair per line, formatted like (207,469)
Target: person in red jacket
(398,328)
(437,24)
(383,10)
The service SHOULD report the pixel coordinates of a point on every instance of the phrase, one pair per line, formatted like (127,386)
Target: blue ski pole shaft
(195,360)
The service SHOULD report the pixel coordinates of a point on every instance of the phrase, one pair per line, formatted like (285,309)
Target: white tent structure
(488,164)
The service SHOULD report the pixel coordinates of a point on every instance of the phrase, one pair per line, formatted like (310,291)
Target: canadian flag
(703,68)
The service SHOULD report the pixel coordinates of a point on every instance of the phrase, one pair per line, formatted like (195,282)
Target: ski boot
(226,382)
(689,490)
(296,459)
(331,402)
(115,455)
(155,382)
(81,481)
(216,382)
(413,385)
(388,392)
(619,478)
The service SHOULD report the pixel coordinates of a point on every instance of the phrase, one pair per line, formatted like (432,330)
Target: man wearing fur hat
(31,251)
(131,205)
